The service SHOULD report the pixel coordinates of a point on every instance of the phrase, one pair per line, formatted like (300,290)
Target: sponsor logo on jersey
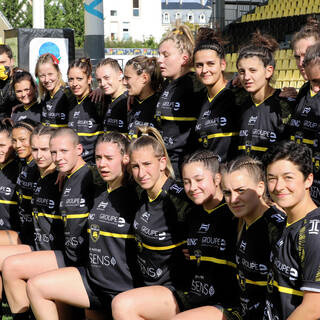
(310,124)
(202,288)
(95,232)
(314,226)
(278,217)
(98,259)
(295,123)
(243,246)
(6,190)
(291,272)
(75,202)
(252,120)
(192,242)
(165,94)
(150,271)
(153,233)
(204,228)
(306,110)
(118,221)
(67,191)
(252,265)
(214,242)
(49,106)
(206,113)
(76,114)
(176,188)
(145,216)
(102,205)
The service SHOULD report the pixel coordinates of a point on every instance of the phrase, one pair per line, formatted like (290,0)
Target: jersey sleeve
(308,246)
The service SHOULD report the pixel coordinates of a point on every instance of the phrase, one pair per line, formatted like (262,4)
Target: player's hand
(186,253)
(96,95)
(60,179)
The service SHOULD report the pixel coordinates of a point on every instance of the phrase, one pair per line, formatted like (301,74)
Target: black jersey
(31,112)
(84,119)
(296,266)
(160,233)
(55,108)
(177,113)
(47,221)
(115,118)
(142,113)
(304,127)
(75,203)
(253,261)
(7,98)
(262,125)
(8,198)
(26,184)
(112,250)
(211,241)
(216,127)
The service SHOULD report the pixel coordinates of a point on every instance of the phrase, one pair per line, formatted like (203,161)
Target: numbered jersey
(295,266)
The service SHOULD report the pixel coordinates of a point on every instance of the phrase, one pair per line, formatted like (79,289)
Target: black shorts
(187,301)
(98,300)
(61,259)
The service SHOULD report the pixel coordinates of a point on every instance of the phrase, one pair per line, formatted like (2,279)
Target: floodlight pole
(38,14)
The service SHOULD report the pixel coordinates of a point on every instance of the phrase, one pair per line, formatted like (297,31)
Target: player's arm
(309,309)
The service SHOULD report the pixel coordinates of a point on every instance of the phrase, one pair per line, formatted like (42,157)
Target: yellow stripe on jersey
(82,134)
(77,216)
(215,260)
(47,215)
(220,135)
(256,283)
(114,235)
(8,202)
(254,148)
(306,141)
(23,196)
(164,247)
(178,118)
(54,125)
(288,290)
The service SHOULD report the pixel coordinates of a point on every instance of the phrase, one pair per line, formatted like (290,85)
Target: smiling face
(49,77)
(110,162)
(299,51)
(171,60)
(6,148)
(242,193)
(134,82)
(40,151)
(109,80)
(65,153)
(78,82)
(147,169)
(21,142)
(209,67)
(253,75)
(25,92)
(286,184)
(199,183)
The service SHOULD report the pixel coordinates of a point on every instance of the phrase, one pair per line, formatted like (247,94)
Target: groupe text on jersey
(260,126)
(75,203)
(216,128)
(160,235)
(295,266)
(304,127)
(84,119)
(253,260)
(47,221)
(115,117)
(9,172)
(112,253)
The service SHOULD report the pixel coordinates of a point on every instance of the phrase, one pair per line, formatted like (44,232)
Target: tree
(18,12)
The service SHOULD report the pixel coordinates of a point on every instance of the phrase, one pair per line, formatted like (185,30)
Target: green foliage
(147,43)
(18,13)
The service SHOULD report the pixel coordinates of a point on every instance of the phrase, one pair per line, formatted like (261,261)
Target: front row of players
(155,255)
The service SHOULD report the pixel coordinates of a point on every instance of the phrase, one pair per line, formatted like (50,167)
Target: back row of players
(110,260)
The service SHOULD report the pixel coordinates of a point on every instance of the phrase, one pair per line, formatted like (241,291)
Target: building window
(113,13)
(125,31)
(166,18)
(202,18)
(135,5)
(178,16)
(113,36)
(190,17)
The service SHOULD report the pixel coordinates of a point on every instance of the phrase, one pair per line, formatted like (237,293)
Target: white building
(136,19)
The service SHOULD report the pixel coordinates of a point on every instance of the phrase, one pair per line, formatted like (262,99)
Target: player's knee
(11,267)
(121,306)
(34,286)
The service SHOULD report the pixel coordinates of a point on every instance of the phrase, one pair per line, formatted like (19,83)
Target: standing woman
(305,121)
(159,231)
(243,185)
(9,171)
(263,115)
(179,104)
(216,126)
(294,286)
(55,97)
(110,79)
(111,257)
(144,82)
(83,115)
(26,92)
